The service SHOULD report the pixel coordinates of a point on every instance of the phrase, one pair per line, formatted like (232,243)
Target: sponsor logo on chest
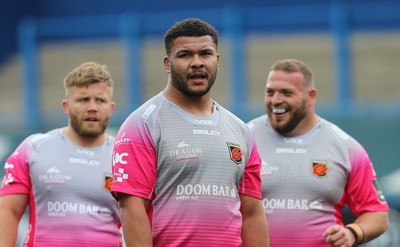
(54,176)
(290,204)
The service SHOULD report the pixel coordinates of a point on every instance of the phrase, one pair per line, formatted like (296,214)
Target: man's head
(192,58)
(293,65)
(88,99)
(88,73)
(290,96)
(191,27)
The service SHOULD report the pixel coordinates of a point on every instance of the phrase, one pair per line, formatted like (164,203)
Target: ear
(167,64)
(64,105)
(218,57)
(112,108)
(312,96)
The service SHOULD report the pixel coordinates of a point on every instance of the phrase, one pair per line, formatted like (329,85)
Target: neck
(85,141)
(305,126)
(197,105)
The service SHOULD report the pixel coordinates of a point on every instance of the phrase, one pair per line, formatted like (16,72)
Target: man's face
(286,101)
(89,109)
(193,65)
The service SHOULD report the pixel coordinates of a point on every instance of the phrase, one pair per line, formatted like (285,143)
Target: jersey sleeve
(363,191)
(16,177)
(134,159)
(250,184)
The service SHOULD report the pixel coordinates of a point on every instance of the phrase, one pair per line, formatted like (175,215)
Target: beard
(294,120)
(180,82)
(78,126)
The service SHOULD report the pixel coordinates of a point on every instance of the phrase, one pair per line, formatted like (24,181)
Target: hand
(339,236)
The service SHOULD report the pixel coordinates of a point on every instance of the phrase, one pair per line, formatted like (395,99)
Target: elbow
(386,224)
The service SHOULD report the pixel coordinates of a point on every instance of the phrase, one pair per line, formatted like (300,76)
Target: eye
(207,53)
(287,93)
(83,99)
(183,54)
(269,92)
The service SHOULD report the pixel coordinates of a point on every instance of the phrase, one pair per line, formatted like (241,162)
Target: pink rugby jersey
(70,203)
(192,169)
(307,180)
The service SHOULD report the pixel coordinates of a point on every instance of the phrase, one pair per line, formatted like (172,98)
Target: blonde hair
(88,73)
(293,65)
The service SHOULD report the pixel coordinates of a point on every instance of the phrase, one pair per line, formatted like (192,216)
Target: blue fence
(235,23)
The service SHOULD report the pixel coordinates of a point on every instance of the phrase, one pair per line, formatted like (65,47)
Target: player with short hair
(64,175)
(186,170)
(311,168)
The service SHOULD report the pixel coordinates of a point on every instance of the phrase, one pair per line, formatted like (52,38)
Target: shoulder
(228,115)
(42,138)
(37,141)
(233,122)
(148,111)
(338,134)
(256,122)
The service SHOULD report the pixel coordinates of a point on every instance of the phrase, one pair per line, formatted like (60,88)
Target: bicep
(14,204)
(135,222)
(250,206)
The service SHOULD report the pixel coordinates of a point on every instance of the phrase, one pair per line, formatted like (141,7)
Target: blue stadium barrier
(236,23)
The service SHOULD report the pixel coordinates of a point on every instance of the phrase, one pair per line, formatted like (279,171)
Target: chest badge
(235,153)
(319,168)
(107,182)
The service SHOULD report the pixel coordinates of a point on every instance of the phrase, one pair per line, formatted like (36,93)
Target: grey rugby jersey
(307,180)
(70,203)
(192,169)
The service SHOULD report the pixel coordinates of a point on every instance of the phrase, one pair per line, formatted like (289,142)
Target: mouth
(198,76)
(279,111)
(91,119)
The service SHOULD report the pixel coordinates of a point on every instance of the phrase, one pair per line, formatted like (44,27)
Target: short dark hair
(191,27)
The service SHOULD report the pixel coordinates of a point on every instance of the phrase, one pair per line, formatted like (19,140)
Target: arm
(12,208)
(372,224)
(255,227)
(135,222)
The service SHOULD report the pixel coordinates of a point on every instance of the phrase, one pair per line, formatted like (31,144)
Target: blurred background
(353,46)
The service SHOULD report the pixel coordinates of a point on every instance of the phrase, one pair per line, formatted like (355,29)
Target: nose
(92,105)
(275,98)
(197,61)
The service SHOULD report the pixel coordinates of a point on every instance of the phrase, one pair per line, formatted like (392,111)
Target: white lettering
(272,204)
(202,189)
(84,151)
(204,122)
(291,150)
(206,132)
(119,158)
(8,166)
(84,161)
(61,208)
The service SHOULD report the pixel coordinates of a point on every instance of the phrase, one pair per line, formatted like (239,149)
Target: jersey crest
(107,182)
(235,153)
(319,168)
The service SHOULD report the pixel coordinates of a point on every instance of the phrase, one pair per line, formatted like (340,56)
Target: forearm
(137,232)
(255,232)
(372,224)
(8,229)
(12,208)
(135,223)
